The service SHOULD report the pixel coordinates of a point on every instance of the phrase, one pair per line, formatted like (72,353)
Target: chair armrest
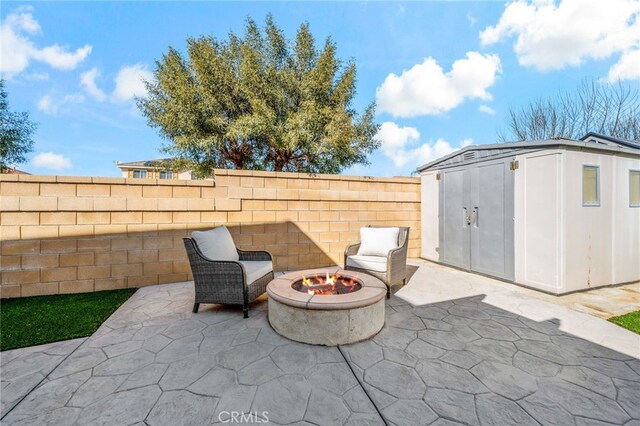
(255,255)
(203,268)
(227,268)
(397,254)
(351,249)
(397,264)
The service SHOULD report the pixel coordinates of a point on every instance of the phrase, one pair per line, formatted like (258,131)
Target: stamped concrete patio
(471,351)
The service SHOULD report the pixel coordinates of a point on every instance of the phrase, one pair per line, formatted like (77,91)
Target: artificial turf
(630,321)
(37,320)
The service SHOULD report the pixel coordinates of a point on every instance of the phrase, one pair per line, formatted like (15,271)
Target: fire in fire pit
(327,285)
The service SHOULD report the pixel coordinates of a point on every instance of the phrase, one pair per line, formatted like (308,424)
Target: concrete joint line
(362,386)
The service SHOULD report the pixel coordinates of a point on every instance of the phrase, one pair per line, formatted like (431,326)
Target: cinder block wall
(78,234)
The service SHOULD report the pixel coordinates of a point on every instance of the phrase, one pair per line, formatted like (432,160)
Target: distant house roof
(475,153)
(158,163)
(609,140)
(14,171)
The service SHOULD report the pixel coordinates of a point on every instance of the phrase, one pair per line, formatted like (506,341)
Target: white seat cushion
(371,263)
(378,241)
(256,269)
(216,244)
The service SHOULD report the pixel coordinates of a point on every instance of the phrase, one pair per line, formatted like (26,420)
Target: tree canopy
(261,102)
(608,109)
(16,134)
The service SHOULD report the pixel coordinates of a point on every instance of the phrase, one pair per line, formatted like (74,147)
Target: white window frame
(631,172)
(142,174)
(597,202)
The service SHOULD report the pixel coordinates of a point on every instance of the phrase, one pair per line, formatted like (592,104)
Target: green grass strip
(630,321)
(37,320)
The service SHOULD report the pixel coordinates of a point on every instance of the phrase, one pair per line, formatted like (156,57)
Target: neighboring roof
(14,171)
(144,163)
(609,140)
(475,153)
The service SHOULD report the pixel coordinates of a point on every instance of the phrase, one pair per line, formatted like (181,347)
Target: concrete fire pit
(298,313)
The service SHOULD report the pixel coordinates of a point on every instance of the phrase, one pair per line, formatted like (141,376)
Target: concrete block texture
(65,234)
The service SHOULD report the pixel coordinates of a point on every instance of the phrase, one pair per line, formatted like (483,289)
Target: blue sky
(444,74)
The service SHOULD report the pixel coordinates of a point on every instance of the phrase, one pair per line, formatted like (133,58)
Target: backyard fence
(64,234)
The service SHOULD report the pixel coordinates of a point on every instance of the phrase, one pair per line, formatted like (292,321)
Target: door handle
(476,217)
(466,219)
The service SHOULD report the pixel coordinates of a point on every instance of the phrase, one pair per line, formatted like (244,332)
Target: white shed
(557,215)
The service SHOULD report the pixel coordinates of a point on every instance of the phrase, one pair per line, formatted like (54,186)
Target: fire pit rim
(371,292)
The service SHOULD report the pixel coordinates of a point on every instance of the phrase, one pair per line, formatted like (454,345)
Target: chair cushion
(216,244)
(371,263)
(256,269)
(378,241)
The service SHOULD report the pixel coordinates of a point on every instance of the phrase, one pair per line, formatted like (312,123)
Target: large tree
(261,102)
(16,134)
(608,109)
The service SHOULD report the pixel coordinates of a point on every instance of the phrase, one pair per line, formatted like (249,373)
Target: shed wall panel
(588,229)
(430,202)
(538,221)
(626,226)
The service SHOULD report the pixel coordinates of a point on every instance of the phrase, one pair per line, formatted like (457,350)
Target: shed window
(634,188)
(140,174)
(590,185)
(166,175)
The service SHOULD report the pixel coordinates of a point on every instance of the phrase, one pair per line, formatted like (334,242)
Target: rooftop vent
(469,155)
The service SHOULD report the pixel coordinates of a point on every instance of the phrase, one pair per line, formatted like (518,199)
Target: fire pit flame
(327,285)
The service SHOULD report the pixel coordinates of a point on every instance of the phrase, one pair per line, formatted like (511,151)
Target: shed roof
(475,153)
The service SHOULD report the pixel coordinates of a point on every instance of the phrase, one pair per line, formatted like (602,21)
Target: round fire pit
(326,306)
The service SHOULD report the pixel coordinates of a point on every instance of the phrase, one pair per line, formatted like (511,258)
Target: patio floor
(462,357)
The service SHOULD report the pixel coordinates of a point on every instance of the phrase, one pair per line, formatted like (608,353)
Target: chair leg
(245,311)
(195,308)
(388,292)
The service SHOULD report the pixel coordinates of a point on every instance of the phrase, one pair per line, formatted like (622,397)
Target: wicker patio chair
(395,270)
(225,282)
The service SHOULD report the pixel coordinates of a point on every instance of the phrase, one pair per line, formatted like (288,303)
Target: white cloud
(471,19)
(394,141)
(553,35)
(401,145)
(130,82)
(37,76)
(18,50)
(426,89)
(51,161)
(487,109)
(88,83)
(46,105)
(466,142)
(58,57)
(49,105)
(627,68)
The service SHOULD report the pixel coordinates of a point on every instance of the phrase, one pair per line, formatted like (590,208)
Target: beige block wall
(62,234)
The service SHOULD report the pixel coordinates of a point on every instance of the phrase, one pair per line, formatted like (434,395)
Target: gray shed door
(476,218)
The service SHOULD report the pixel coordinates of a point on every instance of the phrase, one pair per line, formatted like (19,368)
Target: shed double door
(476,218)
